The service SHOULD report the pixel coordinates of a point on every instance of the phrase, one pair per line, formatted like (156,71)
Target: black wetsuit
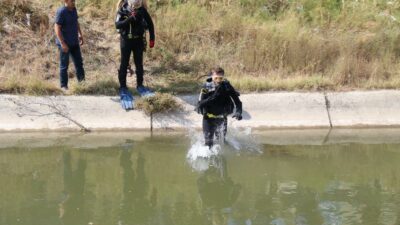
(216,102)
(132,30)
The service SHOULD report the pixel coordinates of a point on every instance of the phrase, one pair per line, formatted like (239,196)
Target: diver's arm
(119,23)
(203,98)
(235,97)
(200,102)
(149,22)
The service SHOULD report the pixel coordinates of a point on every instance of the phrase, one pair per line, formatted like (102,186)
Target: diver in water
(217,100)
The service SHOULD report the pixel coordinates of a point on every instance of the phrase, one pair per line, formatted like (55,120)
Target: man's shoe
(65,90)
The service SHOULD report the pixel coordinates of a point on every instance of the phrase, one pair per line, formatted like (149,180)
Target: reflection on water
(149,182)
(137,205)
(218,192)
(72,208)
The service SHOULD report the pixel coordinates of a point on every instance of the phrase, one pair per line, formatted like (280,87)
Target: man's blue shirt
(68,20)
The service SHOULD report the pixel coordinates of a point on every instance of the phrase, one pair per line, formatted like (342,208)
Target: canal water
(170,179)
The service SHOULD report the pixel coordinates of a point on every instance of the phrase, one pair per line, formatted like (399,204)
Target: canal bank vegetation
(159,103)
(263,45)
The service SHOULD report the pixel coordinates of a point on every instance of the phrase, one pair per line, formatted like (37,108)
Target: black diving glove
(238,116)
(198,109)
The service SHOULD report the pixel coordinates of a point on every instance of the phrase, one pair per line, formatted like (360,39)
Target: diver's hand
(238,116)
(197,109)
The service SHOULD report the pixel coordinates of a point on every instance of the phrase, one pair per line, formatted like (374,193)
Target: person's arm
(203,94)
(57,30)
(235,97)
(119,23)
(80,36)
(203,100)
(238,103)
(150,24)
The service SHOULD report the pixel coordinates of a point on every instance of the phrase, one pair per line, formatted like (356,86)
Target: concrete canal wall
(261,110)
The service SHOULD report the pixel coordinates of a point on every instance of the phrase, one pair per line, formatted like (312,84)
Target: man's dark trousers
(76,55)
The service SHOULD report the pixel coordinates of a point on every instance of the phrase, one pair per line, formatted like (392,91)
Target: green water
(149,181)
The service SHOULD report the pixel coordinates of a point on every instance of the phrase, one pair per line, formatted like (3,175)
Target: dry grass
(33,86)
(175,83)
(160,103)
(247,83)
(34,57)
(347,49)
(263,45)
(101,85)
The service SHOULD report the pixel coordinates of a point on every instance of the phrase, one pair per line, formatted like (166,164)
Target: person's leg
(125,55)
(78,62)
(138,59)
(64,62)
(221,128)
(208,131)
(225,126)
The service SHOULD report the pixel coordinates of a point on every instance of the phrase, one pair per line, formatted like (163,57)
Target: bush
(160,103)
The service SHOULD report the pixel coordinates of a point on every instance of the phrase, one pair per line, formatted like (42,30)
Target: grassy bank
(263,45)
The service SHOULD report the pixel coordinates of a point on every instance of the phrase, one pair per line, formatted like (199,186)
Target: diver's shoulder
(226,82)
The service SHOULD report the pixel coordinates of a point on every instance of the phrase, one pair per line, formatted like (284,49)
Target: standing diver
(132,21)
(216,101)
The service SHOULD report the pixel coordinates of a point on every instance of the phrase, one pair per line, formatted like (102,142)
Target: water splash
(199,154)
(200,157)
(242,140)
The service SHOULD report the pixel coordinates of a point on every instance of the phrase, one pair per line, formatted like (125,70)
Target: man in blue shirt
(69,39)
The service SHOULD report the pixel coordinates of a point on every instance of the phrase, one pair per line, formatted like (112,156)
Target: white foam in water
(199,155)
(242,140)
(199,150)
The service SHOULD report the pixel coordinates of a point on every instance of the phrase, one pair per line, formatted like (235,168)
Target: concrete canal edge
(96,140)
(262,110)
